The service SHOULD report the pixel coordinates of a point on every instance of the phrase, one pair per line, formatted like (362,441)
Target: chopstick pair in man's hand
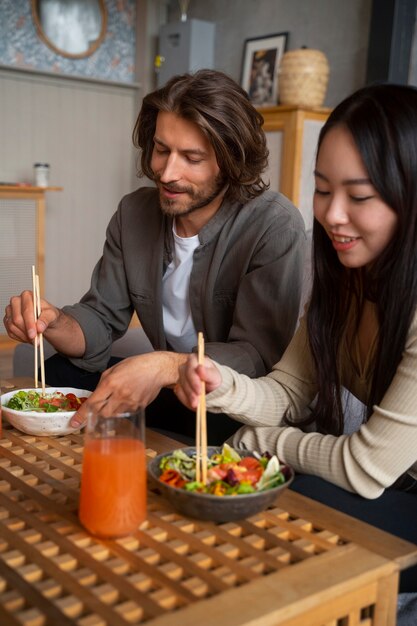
(38,341)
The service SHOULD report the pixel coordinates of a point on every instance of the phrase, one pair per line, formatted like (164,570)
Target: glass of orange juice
(113,479)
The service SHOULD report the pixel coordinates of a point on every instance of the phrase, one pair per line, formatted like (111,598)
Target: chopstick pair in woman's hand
(38,341)
(201,423)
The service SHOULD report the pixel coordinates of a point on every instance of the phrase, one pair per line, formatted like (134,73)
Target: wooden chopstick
(39,336)
(198,444)
(35,313)
(41,350)
(201,426)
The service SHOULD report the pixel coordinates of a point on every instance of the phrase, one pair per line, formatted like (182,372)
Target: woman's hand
(188,388)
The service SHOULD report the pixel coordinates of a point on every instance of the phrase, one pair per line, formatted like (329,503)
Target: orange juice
(113,486)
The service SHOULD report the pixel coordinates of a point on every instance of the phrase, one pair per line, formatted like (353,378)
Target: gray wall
(339,28)
(412,77)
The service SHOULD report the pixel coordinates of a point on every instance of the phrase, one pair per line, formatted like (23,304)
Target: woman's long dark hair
(383,122)
(224,113)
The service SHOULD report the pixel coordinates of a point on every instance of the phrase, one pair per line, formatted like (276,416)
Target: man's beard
(196,199)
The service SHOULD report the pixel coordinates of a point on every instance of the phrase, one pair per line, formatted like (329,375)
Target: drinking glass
(113,480)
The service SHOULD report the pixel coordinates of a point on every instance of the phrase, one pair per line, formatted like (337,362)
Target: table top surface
(52,569)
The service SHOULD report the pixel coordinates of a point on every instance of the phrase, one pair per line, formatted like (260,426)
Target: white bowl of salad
(240,483)
(46,414)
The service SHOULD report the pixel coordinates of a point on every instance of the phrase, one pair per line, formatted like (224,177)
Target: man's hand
(188,389)
(62,331)
(132,383)
(19,318)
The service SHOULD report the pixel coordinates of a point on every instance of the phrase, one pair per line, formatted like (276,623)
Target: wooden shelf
(284,108)
(20,188)
(292,134)
(6,343)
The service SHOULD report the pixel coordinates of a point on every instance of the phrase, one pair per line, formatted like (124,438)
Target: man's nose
(171,170)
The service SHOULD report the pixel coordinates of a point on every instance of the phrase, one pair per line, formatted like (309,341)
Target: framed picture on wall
(261,60)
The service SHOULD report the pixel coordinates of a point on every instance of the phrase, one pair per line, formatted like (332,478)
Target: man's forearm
(66,336)
(170,363)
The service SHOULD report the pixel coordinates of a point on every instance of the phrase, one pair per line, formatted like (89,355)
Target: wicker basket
(303,77)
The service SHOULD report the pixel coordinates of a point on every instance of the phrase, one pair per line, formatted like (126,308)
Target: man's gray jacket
(245,284)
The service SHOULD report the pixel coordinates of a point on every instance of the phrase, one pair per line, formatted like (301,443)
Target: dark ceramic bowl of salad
(235,495)
(33,413)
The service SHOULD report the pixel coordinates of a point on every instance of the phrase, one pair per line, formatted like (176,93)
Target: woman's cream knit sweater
(367,461)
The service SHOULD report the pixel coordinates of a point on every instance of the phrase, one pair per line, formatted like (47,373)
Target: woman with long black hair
(359,331)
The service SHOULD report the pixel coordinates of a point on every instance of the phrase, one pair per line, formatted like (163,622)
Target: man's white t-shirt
(178,322)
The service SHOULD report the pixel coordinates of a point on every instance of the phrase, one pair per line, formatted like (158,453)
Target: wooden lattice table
(298,563)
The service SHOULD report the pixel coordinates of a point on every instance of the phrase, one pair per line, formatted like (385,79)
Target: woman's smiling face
(359,223)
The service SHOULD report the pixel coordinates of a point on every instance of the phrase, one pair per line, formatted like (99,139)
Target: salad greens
(44,403)
(228,473)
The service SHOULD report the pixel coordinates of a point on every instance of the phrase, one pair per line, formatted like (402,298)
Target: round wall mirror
(72,28)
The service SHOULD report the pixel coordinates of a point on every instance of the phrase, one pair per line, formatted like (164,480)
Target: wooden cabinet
(292,134)
(22,216)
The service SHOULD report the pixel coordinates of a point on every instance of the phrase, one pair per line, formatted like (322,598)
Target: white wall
(83,129)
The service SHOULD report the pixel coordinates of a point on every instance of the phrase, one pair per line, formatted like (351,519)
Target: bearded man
(208,248)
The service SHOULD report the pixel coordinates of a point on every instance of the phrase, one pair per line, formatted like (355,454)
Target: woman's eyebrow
(319,175)
(347,181)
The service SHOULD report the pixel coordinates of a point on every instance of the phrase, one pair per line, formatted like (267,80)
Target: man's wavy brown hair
(222,110)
